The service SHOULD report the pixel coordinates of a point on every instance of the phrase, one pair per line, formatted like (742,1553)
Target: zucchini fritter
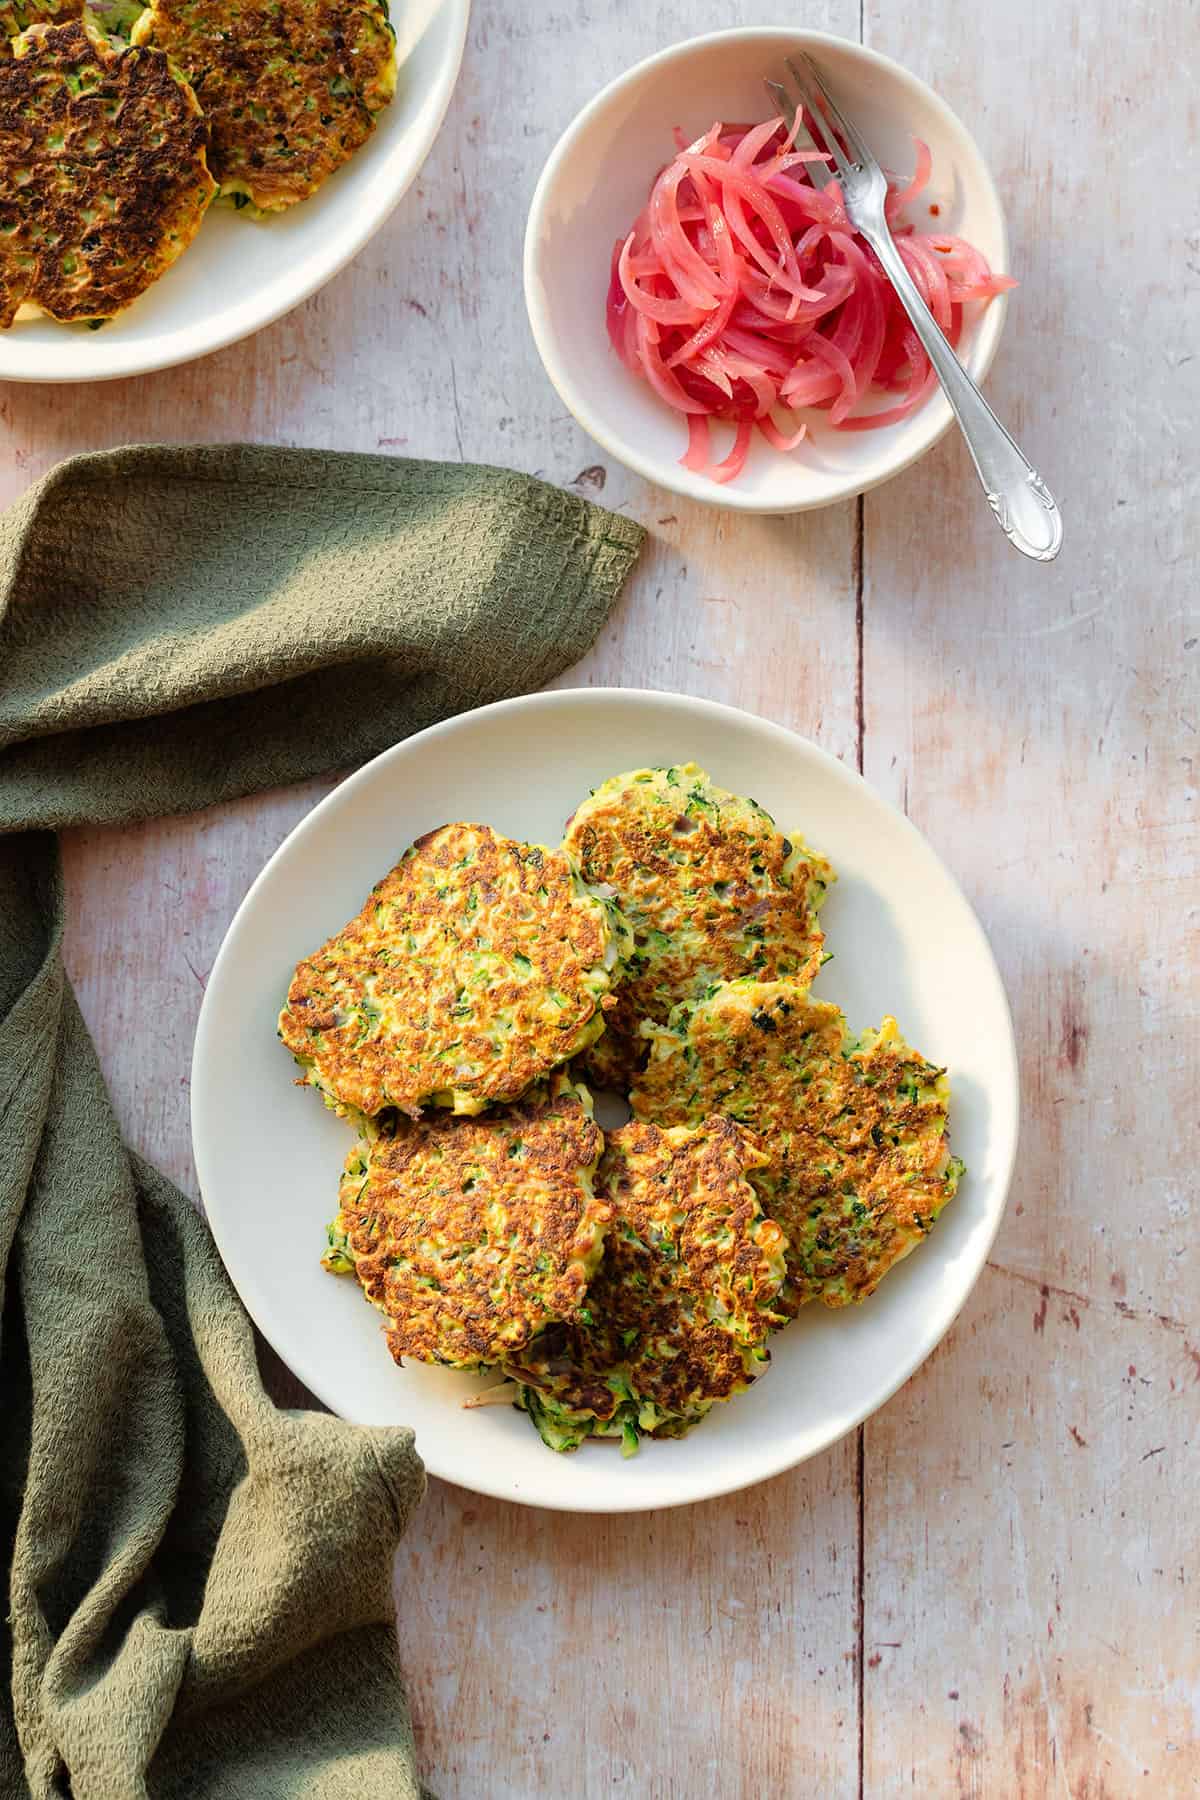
(115,18)
(711,890)
(476,967)
(678,1311)
(103,177)
(471,1235)
(18,15)
(290,88)
(855,1127)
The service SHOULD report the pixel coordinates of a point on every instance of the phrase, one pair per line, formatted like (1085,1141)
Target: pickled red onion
(743,291)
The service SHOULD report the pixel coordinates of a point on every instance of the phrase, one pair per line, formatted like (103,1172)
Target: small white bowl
(597,181)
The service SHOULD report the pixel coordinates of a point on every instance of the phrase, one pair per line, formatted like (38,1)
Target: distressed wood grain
(1031,1549)
(991,1591)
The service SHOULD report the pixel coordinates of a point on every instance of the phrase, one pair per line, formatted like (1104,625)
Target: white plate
(240,273)
(269,1154)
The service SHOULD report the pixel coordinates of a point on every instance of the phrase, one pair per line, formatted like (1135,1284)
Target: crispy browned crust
(19,15)
(700,874)
(470,1235)
(687,1284)
(290,87)
(474,968)
(859,1165)
(103,178)
(115,18)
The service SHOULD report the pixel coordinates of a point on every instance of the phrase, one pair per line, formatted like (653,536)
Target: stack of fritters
(859,1165)
(440,1021)
(111,150)
(667,951)
(678,1312)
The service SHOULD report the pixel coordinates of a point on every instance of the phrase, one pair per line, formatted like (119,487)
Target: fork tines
(828,125)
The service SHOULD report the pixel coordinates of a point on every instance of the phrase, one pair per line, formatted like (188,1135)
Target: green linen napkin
(199,1585)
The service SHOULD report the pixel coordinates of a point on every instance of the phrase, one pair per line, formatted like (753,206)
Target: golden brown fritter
(291,88)
(475,968)
(677,1313)
(103,177)
(711,890)
(855,1128)
(115,18)
(471,1235)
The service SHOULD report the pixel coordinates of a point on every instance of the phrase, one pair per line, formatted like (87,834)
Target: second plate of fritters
(104,179)
(291,88)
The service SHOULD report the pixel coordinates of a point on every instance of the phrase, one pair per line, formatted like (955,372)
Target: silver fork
(1024,507)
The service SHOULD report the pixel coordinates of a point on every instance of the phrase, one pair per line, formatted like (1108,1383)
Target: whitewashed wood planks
(1031,1541)
(1026,1621)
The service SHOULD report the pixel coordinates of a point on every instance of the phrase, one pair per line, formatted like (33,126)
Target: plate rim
(549,699)
(458,17)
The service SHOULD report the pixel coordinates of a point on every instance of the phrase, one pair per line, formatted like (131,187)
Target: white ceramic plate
(240,274)
(595,184)
(269,1154)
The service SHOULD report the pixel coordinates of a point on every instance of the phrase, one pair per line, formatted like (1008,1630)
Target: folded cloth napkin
(199,1585)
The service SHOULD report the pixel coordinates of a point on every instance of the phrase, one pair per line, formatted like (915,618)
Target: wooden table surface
(992,1588)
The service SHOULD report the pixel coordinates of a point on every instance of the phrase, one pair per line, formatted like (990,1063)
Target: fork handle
(1024,507)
